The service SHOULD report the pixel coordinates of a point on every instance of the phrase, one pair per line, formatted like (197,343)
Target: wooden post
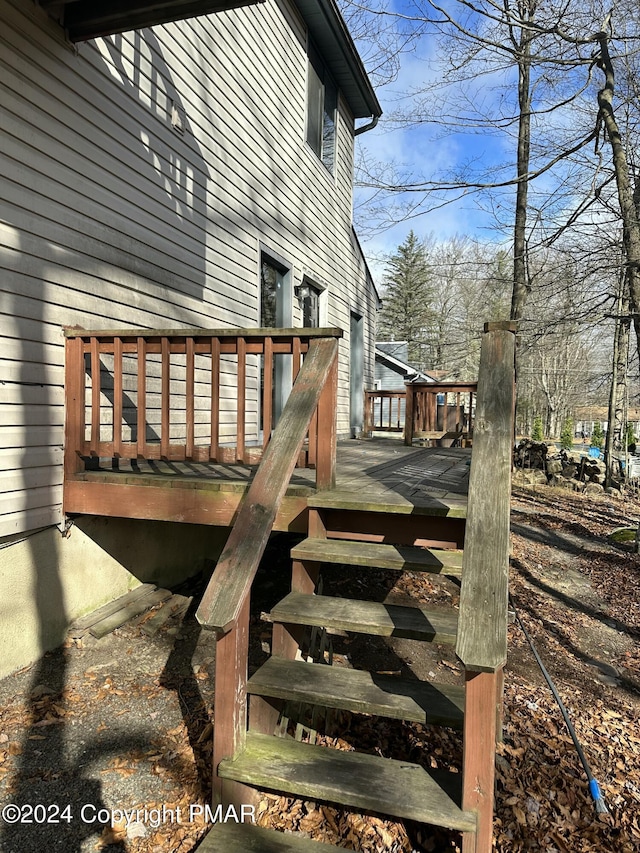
(74,391)
(327,430)
(368,423)
(408,416)
(478,763)
(230,701)
(482,624)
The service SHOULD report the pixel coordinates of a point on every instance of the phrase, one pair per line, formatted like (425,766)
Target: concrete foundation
(48,580)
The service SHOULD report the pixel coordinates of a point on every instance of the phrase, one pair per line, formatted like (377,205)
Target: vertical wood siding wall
(109,217)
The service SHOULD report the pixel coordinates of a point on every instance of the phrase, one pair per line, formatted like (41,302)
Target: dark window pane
(314,110)
(269,278)
(311,307)
(322,102)
(329,125)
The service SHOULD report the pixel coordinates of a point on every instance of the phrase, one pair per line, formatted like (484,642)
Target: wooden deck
(371,503)
(210,493)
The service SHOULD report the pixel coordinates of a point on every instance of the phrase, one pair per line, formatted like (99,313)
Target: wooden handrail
(236,568)
(250,334)
(482,623)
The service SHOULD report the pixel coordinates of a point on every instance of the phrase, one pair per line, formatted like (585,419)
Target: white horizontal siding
(109,218)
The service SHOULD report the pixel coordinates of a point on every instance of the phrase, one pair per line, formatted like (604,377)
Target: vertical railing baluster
(117,397)
(241,401)
(267,390)
(312,460)
(190,399)
(165,394)
(214,449)
(95,396)
(142,398)
(296,360)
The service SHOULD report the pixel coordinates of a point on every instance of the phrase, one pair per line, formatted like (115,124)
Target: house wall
(387,378)
(110,217)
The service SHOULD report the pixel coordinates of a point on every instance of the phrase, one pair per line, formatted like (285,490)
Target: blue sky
(428,152)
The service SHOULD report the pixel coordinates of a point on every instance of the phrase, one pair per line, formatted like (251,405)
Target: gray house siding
(114,217)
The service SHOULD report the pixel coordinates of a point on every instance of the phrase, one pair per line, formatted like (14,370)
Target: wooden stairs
(467,539)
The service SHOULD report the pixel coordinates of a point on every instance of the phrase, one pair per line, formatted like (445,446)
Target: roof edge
(329,32)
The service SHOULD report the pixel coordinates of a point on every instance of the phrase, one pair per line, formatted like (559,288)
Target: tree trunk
(618,393)
(520,280)
(628,210)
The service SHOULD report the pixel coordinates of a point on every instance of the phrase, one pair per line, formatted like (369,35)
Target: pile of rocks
(537,463)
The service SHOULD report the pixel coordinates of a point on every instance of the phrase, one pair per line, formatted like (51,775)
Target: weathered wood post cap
(501,326)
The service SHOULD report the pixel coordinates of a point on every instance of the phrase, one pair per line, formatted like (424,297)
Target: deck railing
(384,411)
(200,395)
(482,622)
(425,417)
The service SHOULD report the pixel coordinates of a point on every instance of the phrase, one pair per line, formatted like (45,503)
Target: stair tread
(381,556)
(358,780)
(248,838)
(367,617)
(360,691)
(389,502)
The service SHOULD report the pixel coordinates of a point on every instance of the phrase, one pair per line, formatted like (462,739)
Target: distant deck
(210,493)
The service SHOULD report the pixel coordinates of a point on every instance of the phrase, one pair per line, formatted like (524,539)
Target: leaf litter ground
(126,722)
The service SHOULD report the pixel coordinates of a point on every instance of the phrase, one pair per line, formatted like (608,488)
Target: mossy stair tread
(380,556)
(359,691)
(383,785)
(367,617)
(390,503)
(248,838)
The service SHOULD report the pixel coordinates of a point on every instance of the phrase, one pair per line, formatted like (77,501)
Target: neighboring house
(194,174)
(392,368)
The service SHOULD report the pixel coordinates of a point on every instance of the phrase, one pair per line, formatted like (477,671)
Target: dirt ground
(124,723)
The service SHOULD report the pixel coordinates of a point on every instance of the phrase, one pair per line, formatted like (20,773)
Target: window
(276,295)
(310,304)
(322,101)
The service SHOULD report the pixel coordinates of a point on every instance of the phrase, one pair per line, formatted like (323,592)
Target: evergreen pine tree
(566,436)
(406,310)
(630,435)
(536,434)
(597,437)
